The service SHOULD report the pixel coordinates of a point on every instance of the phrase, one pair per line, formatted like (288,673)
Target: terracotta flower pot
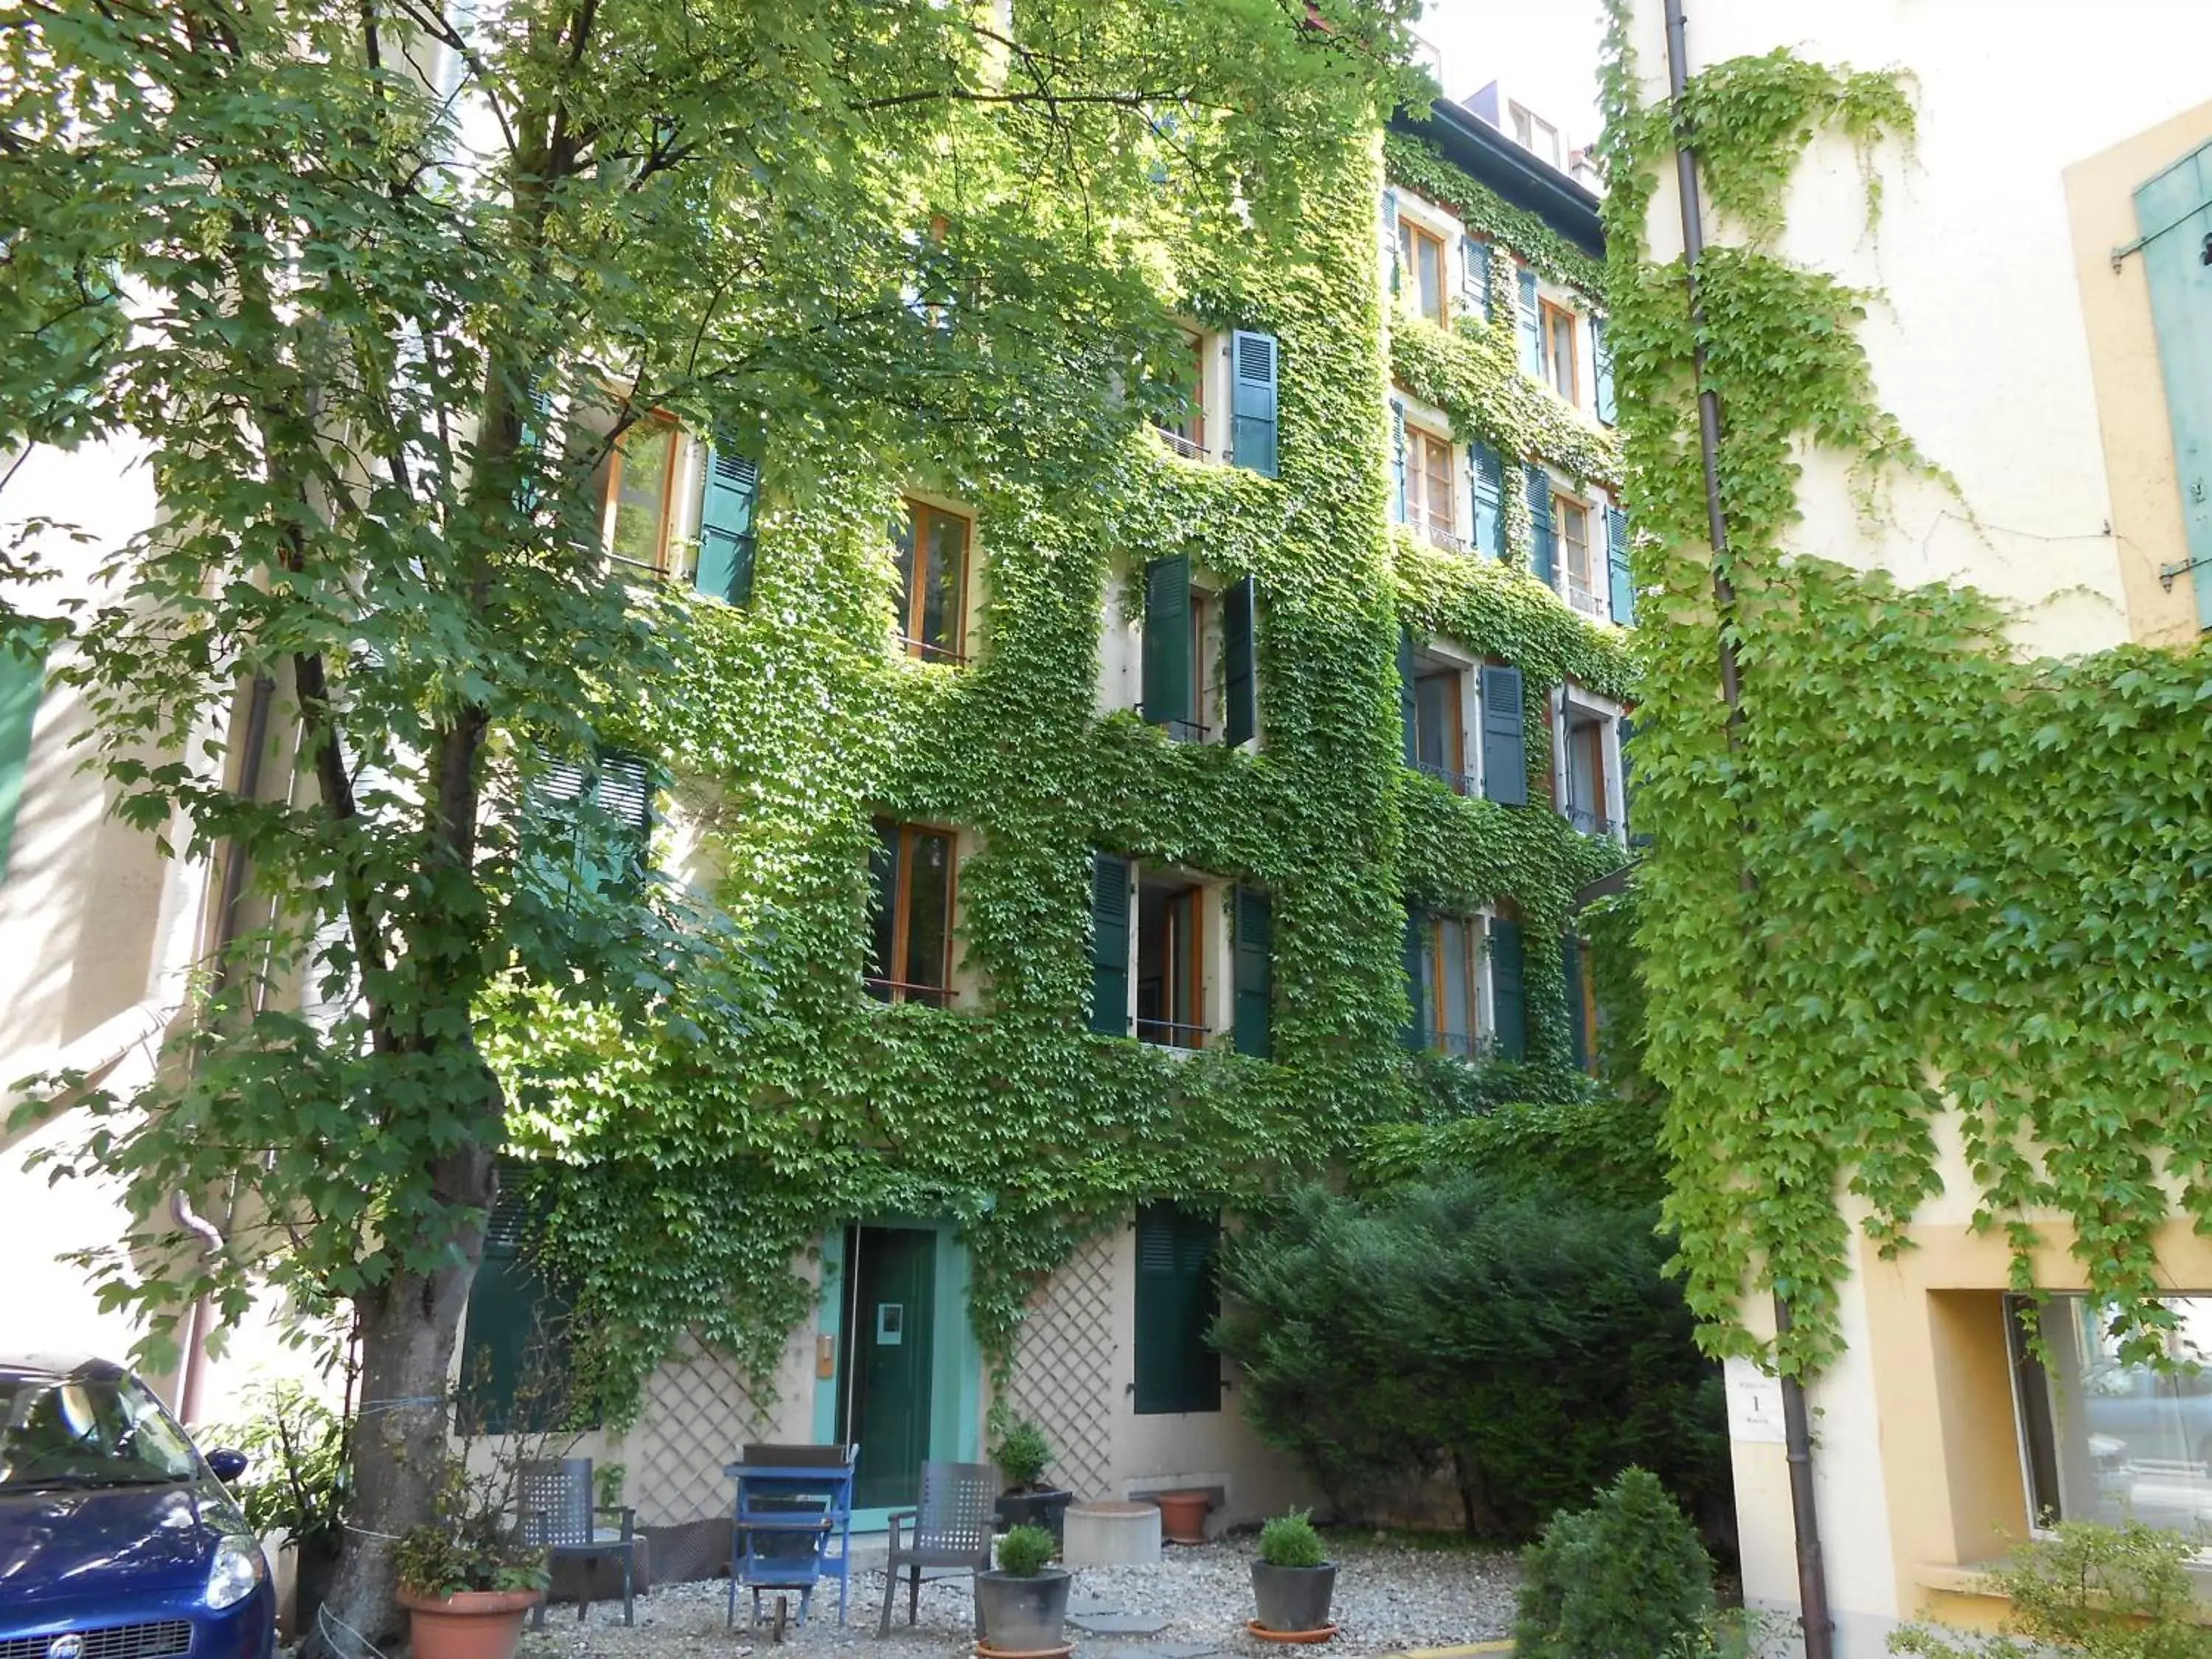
(471,1625)
(1183,1516)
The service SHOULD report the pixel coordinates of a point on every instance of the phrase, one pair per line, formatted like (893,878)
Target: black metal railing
(1173,1034)
(901,990)
(1458,782)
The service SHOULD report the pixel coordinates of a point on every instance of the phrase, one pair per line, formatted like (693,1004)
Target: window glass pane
(1182,950)
(948,562)
(1429,268)
(1438,490)
(903,534)
(883,919)
(642,493)
(1433,697)
(1455,1024)
(2108,1440)
(1574,533)
(929,909)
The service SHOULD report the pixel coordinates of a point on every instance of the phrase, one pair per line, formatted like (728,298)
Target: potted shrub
(1023,1455)
(297,1483)
(1292,1580)
(1021,1606)
(466,1579)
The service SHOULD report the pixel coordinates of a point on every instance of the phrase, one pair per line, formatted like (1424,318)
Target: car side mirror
(227,1465)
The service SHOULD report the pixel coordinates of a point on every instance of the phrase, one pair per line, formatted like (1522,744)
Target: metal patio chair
(557,1514)
(951,1532)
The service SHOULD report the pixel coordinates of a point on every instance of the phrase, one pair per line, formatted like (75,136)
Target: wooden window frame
(915,601)
(1558,318)
(1453,771)
(1204,689)
(1471,936)
(1587,597)
(1411,234)
(1421,508)
(901,909)
(1194,1033)
(610,504)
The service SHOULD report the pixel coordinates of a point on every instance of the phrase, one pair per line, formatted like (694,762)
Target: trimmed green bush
(1622,1579)
(1290,1540)
(1024,1551)
(1023,1455)
(2119,1592)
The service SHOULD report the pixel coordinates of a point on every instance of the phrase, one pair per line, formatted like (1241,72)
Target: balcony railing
(1173,1034)
(1458,782)
(1189,448)
(929,653)
(901,990)
(1588,603)
(1591,822)
(1443,535)
(1463,1045)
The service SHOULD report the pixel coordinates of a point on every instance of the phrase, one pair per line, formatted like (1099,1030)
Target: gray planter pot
(1046,1508)
(1293,1598)
(1021,1615)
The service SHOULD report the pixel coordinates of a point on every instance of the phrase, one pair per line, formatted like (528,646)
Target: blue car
(118,1539)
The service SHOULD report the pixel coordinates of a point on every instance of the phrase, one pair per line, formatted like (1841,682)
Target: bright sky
(1544,50)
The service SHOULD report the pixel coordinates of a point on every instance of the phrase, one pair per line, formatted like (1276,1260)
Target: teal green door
(889,1323)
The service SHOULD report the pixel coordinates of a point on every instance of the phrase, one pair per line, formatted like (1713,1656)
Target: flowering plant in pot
(466,1577)
(1021,1607)
(1293,1579)
(1023,1455)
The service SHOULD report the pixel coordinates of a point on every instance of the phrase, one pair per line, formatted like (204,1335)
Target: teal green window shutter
(1601,371)
(1176,1369)
(1508,1001)
(1543,553)
(1252,400)
(1505,745)
(1239,664)
(1485,477)
(1109,945)
(514,1357)
(1415,1036)
(1168,689)
(1254,973)
(596,818)
(729,497)
(1397,462)
(2173,213)
(1623,579)
(1635,839)
(1577,1038)
(1390,235)
(1474,276)
(1407,714)
(1532,326)
(22,681)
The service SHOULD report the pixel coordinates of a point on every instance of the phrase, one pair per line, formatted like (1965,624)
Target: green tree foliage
(1510,1333)
(1618,1580)
(2107,1592)
(379,293)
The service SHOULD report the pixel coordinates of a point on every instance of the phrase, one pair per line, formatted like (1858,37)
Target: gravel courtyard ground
(1390,1597)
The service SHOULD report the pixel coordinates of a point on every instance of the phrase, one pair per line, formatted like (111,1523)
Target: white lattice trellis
(697,1415)
(1064,1366)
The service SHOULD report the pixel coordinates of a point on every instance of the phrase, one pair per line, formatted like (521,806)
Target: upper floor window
(1180,954)
(642,495)
(1438,721)
(682,510)
(1451,985)
(1561,362)
(1586,770)
(911,874)
(1186,435)
(1431,506)
(933,569)
(1532,133)
(1571,519)
(1171,976)
(1199,652)
(1421,256)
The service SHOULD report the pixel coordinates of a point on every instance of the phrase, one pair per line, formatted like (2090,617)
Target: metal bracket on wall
(2167,573)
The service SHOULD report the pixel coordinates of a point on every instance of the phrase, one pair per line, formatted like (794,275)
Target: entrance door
(889,1320)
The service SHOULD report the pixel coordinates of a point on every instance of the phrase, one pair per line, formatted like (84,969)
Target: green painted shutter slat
(1577,1039)
(1168,680)
(514,1359)
(1109,945)
(1390,235)
(1504,744)
(1601,371)
(1176,1369)
(1532,326)
(1622,579)
(1485,472)
(1415,1036)
(1474,276)
(22,681)
(1252,368)
(1408,712)
(729,498)
(2174,210)
(1507,999)
(1398,512)
(1254,973)
(1543,554)
(1239,661)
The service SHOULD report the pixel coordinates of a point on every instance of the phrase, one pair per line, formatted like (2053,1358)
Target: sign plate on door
(890,1324)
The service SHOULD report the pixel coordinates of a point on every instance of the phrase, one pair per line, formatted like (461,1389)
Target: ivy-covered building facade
(1110,855)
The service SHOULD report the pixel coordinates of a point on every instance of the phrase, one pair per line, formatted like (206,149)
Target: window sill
(1957,1580)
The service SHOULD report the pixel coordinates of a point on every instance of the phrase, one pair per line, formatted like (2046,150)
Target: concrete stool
(1107,1534)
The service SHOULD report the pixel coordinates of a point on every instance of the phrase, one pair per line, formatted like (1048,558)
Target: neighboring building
(2048,246)
(1441,423)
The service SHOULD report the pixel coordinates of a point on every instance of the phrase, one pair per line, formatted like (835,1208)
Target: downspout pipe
(1814,1618)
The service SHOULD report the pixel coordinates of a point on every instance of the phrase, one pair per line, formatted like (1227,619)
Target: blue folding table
(794,1523)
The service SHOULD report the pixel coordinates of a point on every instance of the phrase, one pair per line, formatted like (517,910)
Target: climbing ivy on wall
(1418,166)
(692,1178)
(1921,876)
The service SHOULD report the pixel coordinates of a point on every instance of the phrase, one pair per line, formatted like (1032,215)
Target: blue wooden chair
(793,1523)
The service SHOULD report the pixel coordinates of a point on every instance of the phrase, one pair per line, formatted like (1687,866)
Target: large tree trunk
(400,1430)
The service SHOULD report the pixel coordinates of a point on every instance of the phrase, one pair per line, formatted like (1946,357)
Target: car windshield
(104,1432)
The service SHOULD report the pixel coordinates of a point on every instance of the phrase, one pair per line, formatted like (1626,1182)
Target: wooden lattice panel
(1065,1364)
(697,1414)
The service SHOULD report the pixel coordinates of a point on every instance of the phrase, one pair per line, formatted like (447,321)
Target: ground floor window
(514,1347)
(1177,1369)
(2107,1441)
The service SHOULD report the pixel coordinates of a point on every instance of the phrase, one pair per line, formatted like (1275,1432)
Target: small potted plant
(466,1577)
(1021,1606)
(1293,1581)
(1023,1455)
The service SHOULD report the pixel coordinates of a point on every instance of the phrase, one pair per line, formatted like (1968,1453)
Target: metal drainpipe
(1813,1617)
(226,934)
